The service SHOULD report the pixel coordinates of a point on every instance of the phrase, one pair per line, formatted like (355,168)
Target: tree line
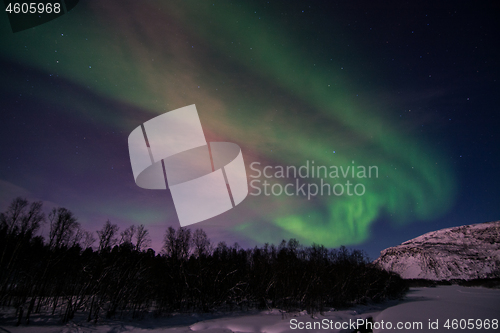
(120,276)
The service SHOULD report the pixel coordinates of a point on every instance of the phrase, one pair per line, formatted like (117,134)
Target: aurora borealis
(409,90)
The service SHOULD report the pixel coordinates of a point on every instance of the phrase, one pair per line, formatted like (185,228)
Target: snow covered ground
(422,305)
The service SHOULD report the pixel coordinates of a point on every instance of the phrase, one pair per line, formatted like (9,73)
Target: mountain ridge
(465,252)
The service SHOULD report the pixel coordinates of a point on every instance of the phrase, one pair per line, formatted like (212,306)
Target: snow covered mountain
(465,252)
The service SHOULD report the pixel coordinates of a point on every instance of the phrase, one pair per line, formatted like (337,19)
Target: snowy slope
(465,252)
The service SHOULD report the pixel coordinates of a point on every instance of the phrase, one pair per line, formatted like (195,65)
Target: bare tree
(77,237)
(142,239)
(107,235)
(63,227)
(82,238)
(31,222)
(201,243)
(20,219)
(170,245)
(88,239)
(177,243)
(127,235)
(11,218)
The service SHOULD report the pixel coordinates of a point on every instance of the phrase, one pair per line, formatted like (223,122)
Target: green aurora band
(254,84)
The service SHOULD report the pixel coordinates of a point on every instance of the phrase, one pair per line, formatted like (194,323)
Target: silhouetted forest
(114,273)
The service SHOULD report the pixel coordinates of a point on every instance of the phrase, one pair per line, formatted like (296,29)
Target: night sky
(412,89)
